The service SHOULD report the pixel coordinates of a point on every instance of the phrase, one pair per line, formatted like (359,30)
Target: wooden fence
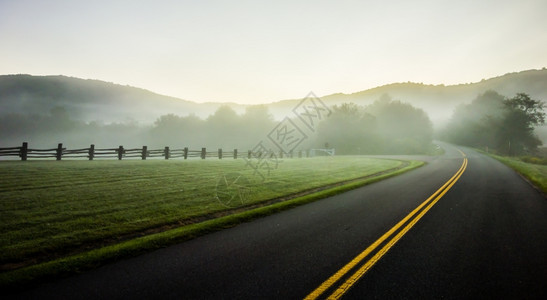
(59,153)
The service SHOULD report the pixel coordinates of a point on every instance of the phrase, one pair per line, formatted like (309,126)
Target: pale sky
(265,51)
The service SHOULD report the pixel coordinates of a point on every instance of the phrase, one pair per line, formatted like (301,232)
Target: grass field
(51,209)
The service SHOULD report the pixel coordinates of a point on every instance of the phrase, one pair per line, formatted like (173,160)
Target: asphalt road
(485,238)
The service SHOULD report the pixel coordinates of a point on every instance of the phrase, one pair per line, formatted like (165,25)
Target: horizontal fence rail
(91,153)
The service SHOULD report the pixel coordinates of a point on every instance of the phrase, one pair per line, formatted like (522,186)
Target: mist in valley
(388,125)
(395,118)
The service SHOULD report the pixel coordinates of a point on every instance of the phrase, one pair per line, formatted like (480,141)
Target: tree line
(223,129)
(387,126)
(494,122)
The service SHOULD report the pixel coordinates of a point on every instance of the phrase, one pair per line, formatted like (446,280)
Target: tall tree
(349,130)
(223,128)
(516,134)
(178,131)
(491,120)
(256,121)
(405,128)
(475,124)
(386,126)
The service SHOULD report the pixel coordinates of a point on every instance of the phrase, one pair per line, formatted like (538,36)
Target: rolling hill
(91,100)
(439,101)
(94,100)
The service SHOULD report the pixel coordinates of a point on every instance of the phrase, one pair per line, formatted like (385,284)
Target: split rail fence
(59,153)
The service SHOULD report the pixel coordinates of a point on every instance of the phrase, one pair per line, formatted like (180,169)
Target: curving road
(486,237)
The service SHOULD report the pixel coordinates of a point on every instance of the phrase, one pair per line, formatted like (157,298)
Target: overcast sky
(264,51)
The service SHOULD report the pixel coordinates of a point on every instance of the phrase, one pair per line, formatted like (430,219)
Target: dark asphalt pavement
(486,238)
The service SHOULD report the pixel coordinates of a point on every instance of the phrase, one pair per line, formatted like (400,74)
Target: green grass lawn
(50,209)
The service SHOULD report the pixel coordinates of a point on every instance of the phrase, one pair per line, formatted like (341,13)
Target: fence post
(185,152)
(120,152)
(59,152)
(249,153)
(219,153)
(24,151)
(144,152)
(235,153)
(203,153)
(91,152)
(166,152)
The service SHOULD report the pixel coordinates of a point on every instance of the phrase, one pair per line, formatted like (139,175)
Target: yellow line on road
(357,275)
(463,154)
(344,270)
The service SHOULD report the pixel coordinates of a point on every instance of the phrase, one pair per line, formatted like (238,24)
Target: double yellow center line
(411,219)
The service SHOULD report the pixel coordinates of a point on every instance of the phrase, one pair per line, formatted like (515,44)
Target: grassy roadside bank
(293,176)
(535,173)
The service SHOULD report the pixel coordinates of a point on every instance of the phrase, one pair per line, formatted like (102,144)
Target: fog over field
(221,75)
(252,149)
(46,110)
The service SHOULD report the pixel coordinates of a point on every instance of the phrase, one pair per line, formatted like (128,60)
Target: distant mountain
(91,100)
(439,101)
